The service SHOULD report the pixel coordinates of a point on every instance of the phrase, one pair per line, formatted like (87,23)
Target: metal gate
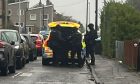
(120,50)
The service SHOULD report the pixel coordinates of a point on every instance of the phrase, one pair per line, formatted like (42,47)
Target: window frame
(47,17)
(34,17)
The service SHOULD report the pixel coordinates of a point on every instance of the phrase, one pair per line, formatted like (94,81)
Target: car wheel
(31,57)
(45,61)
(19,64)
(12,69)
(23,62)
(4,70)
(35,58)
(27,61)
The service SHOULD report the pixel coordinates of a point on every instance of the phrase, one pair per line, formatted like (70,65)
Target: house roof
(37,5)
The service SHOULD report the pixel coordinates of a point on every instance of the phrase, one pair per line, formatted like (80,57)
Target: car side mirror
(12,43)
(34,42)
(21,41)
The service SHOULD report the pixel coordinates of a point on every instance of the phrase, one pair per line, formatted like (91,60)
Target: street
(35,73)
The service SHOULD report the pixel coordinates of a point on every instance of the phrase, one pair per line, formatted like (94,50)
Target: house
(33,19)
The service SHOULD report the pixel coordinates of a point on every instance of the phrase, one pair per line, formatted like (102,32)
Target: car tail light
(39,42)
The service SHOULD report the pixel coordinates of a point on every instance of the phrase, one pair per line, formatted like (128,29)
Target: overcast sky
(74,8)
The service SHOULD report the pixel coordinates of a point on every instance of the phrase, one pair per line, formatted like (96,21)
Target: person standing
(55,43)
(90,37)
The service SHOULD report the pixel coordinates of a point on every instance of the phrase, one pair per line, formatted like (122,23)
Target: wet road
(35,73)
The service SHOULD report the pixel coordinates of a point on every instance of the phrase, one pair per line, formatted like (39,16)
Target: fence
(120,50)
(127,53)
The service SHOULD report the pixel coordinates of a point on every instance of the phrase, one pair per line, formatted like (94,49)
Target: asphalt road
(35,73)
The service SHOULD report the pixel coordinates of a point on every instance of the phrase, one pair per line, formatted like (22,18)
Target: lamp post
(96,15)
(19,18)
(6,14)
(89,12)
(43,17)
(25,19)
(87,15)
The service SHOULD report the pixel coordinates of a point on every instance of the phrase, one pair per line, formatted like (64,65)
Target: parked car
(32,48)
(26,49)
(7,57)
(13,35)
(38,40)
(44,33)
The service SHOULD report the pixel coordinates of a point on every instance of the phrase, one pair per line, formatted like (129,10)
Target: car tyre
(45,61)
(27,61)
(31,57)
(23,62)
(4,71)
(19,64)
(35,58)
(12,69)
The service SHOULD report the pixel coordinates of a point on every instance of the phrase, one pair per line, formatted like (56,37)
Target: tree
(119,21)
(135,3)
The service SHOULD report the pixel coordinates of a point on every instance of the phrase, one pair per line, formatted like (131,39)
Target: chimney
(47,2)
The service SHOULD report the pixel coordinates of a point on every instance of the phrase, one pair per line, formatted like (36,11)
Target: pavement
(110,71)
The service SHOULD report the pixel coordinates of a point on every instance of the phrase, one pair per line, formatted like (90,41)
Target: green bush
(119,21)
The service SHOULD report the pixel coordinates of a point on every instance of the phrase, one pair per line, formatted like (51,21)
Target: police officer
(90,42)
(55,43)
(76,46)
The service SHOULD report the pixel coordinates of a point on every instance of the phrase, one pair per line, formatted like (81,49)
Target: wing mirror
(21,41)
(34,42)
(12,43)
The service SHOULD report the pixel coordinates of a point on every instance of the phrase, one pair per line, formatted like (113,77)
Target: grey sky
(74,8)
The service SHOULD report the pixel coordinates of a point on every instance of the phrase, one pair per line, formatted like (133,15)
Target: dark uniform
(55,44)
(90,42)
(76,46)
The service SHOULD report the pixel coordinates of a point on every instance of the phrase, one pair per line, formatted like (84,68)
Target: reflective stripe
(83,44)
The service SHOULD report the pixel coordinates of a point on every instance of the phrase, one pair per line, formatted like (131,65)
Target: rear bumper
(46,55)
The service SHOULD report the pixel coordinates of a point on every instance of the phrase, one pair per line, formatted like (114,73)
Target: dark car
(38,39)
(13,35)
(32,48)
(7,57)
(26,48)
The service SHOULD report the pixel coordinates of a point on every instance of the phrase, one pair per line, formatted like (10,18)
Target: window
(4,38)
(29,29)
(12,36)
(9,12)
(22,12)
(21,24)
(16,24)
(46,17)
(32,16)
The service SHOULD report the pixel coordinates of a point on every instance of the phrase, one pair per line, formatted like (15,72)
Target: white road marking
(26,74)
(17,74)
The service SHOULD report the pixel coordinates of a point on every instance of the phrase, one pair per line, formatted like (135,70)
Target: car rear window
(12,36)
(34,38)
